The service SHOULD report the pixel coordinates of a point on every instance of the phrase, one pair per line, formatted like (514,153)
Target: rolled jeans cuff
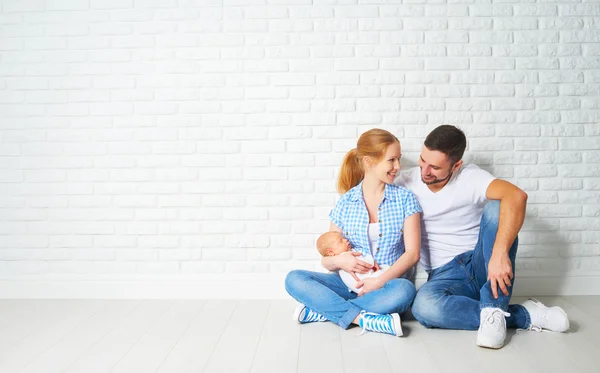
(349,316)
(503,307)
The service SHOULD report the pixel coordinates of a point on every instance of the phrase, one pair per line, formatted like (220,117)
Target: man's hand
(500,273)
(369,284)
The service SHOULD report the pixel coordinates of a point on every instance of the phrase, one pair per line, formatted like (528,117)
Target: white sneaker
(492,328)
(554,319)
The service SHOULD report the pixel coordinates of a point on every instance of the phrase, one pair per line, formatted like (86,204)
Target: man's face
(435,166)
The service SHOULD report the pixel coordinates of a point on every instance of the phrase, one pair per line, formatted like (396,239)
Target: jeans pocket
(454,270)
(463,261)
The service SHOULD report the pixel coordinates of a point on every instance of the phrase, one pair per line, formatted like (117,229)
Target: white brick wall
(191,138)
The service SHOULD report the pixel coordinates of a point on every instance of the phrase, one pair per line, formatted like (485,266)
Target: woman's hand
(369,284)
(348,262)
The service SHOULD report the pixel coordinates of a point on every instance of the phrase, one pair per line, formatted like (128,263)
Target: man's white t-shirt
(451,217)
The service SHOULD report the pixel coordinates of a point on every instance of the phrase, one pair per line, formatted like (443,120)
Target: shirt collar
(355,194)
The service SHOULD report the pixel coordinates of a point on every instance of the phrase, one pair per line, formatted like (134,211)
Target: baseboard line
(225,286)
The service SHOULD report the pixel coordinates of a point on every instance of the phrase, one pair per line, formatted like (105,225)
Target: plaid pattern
(351,215)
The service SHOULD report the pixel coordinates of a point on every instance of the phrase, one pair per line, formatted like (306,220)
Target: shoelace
(537,328)
(494,317)
(313,316)
(534,328)
(378,322)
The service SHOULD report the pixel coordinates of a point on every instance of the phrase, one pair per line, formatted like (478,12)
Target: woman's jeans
(325,293)
(455,293)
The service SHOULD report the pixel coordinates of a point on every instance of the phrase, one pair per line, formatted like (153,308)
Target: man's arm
(512,211)
(513,201)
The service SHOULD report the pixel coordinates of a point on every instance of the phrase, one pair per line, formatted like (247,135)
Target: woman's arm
(334,228)
(412,247)
(348,263)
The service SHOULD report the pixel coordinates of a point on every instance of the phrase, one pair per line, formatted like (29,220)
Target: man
(469,244)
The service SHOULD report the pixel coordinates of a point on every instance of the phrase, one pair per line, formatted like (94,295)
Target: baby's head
(332,243)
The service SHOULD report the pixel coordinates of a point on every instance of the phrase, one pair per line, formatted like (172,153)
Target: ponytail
(371,144)
(351,173)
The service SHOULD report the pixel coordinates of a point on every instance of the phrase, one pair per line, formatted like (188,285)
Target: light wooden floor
(131,336)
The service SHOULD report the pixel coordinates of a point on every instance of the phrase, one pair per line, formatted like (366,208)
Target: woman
(379,219)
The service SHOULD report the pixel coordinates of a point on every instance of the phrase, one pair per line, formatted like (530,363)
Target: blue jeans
(455,293)
(326,294)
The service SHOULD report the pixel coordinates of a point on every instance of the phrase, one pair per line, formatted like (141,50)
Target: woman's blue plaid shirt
(351,215)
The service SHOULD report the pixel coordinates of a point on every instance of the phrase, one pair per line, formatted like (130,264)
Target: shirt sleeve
(338,211)
(481,180)
(411,205)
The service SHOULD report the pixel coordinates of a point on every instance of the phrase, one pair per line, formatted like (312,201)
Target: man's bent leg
(436,307)
(448,299)
(519,318)
(530,315)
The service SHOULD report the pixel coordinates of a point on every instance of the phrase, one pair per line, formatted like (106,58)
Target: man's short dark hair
(449,140)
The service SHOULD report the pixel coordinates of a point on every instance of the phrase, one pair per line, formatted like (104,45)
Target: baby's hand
(376,267)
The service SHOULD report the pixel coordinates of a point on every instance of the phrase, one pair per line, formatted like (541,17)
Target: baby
(334,243)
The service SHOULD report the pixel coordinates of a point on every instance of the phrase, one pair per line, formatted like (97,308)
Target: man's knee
(491,212)
(491,218)
(425,309)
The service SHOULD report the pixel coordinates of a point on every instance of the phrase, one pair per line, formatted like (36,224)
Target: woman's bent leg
(395,296)
(324,293)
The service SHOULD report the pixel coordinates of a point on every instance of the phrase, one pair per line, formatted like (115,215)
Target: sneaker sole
(397,324)
(568,322)
(492,346)
(296,315)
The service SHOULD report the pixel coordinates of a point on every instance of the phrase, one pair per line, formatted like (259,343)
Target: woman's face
(387,167)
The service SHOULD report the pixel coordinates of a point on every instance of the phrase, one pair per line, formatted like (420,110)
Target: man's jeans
(455,293)
(326,293)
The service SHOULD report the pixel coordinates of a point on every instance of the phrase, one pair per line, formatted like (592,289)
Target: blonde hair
(372,144)
(324,241)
